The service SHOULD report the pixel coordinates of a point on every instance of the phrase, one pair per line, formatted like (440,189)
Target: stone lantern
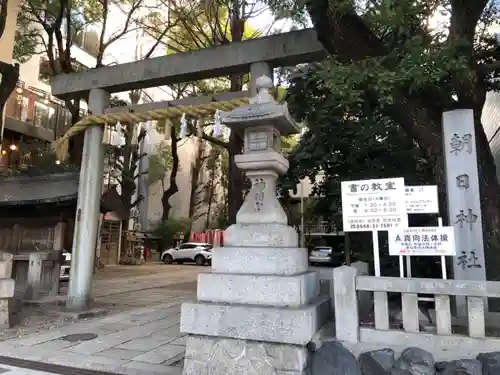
(260,306)
(261,123)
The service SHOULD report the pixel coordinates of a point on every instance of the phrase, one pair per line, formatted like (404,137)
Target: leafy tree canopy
(345,143)
(409,61)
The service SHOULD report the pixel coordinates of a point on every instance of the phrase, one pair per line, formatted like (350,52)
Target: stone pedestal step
(220,355)
(260,260)
(271,290)
(261,235)
(258,323)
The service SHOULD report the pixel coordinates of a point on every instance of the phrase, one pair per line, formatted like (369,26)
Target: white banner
(422,241)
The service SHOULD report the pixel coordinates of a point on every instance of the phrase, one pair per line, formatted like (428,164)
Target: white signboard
(422,241)
(372,205)
(422,199)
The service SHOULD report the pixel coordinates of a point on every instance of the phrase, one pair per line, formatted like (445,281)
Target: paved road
(117,289)
(141,336)
(143,341)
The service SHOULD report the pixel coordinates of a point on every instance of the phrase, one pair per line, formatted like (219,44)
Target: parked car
(200,253)
(324,255)
(65,266)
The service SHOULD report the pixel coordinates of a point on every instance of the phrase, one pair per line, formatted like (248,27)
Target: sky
(265,19)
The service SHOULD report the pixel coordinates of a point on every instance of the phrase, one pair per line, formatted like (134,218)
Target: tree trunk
(236,182)
(195,177)
(172,187)
(236,178)
(75,148)
(9,76)
(211,192)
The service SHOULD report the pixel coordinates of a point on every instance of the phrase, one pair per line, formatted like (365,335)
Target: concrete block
(296,290)
(7,287)
(258,323)
(6,260)
(260,260)
(217,355)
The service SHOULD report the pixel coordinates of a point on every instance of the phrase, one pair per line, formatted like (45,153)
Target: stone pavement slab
(11,370)
(142,341)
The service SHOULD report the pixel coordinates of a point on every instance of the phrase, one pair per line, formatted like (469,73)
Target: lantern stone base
(257,323)
(260,260)
(255,314)
(222,356)
(261,235)
(274,290)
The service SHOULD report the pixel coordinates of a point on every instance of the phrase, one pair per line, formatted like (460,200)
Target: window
(87,40)
(37,239)
(257,140)
(44,116)
(186,246)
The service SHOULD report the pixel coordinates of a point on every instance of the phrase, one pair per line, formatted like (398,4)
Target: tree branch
(3,16)
(100,53)
(126,26)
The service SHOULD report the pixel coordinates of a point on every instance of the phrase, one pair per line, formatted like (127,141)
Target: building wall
(491,124)
(179,201)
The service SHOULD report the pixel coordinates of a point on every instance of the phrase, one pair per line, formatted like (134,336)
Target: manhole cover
(79,337)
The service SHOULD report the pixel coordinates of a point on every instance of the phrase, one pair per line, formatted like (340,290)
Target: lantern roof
(262,110)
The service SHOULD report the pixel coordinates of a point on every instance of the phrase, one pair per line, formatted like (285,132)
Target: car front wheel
(200,260)
(168,259)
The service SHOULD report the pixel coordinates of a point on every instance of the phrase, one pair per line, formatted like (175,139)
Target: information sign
(374,205)
(422,241)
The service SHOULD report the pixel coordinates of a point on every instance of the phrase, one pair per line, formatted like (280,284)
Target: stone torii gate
(257,56)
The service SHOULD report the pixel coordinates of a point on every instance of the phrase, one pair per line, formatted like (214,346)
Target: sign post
(421,200)
(373,205)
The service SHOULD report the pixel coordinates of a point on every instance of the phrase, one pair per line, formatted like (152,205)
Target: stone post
(7,285)
(88,208)
(464,205)
(345,301)
(34,280)
(260,306)
(59,233)
(365,298)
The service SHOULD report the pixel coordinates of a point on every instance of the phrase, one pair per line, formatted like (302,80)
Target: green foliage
(346,142)
(351,101)
(172,229)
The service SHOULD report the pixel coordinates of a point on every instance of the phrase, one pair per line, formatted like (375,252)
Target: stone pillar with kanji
(260,306)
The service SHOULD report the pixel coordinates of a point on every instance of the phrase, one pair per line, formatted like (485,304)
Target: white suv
(200,253)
